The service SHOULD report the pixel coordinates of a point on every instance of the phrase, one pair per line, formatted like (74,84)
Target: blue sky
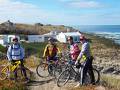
(68,12)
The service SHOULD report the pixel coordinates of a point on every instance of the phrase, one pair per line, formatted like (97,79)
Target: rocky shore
(106,54)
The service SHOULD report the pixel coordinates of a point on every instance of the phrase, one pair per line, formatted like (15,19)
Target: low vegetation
(30,29)
(111,81)
(2,49)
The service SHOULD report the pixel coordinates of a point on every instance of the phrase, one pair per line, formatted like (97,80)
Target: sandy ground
(49,84)
(43,83)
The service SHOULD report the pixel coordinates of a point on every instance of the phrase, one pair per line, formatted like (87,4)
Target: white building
(36,38)
(62,37)
(7,39)
(52,34)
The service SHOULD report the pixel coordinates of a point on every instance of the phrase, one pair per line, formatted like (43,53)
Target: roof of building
(71,33)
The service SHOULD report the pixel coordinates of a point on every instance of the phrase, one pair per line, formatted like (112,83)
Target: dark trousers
(87,68)
(22,68)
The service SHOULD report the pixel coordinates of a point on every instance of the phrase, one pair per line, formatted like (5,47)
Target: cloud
(85,4)
(82,3)
(22,12)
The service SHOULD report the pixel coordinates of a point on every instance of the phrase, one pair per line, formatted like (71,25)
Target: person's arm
(58,50)
(84,48)
(9,53)
(22,53)
(45,50)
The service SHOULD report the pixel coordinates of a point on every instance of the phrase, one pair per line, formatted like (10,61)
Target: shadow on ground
(37,83)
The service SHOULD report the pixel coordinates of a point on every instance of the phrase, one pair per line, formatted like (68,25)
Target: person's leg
(91,73)
(50,59)
(15,72)
(83,73)
(23,70)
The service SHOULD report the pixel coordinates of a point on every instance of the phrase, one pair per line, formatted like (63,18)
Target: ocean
(107,31)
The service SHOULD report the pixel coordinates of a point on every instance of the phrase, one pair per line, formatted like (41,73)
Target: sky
(67,12)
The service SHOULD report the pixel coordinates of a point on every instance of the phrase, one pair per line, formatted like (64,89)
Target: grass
(2,49)
(108,82)
(111,81)
(11,85)
(30,29)
(34,48)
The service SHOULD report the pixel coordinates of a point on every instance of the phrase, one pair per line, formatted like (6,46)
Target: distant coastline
(107,31)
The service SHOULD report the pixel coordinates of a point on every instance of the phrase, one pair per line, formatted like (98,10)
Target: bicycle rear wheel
(20,74)
(96,75)
(87,79)
(3,72)
(42,70)
(63,78)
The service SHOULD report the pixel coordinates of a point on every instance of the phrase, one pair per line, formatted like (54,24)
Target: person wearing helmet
(73,48)
(51,50)
(16,52)
(87,64)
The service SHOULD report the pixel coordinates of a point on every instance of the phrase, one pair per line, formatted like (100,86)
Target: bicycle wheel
(57,71)
(51,69)
(96,75)
(87,79)
(42,70)
(63,78)
(20,74)
(3,73)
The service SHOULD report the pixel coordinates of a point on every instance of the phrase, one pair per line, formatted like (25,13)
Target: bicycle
(51,68)
(71,73)
(6,70)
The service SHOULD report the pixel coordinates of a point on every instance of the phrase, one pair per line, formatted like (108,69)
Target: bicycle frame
(11,68)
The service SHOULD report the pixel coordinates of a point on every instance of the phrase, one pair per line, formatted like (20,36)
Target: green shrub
(3,49)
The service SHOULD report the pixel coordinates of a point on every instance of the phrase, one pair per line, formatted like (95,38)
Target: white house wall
(61,38)
(35,38)
(2,42)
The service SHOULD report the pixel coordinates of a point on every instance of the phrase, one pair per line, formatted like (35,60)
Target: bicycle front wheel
(63,78)
(42,70)
(3,72)
(58,70)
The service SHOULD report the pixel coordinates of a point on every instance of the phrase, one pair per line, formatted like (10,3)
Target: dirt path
(43,83)
(49,84)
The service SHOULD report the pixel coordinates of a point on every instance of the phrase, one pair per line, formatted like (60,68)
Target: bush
(2,49)
(34,48)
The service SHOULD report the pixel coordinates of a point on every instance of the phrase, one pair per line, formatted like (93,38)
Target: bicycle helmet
(82,37)
(51,39)
(15,39)
(70,38)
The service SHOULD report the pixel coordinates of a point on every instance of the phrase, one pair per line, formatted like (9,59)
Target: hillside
(38,28)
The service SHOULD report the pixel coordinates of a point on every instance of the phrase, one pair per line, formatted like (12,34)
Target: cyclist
(88,58)
(74,49)
(15,52)
(51,50)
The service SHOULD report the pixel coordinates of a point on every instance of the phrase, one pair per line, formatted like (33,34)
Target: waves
(114,36)
(107,31)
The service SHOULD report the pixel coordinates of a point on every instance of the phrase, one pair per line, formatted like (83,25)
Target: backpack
(15,49)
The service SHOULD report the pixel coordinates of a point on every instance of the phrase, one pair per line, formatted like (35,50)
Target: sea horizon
(107,31)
